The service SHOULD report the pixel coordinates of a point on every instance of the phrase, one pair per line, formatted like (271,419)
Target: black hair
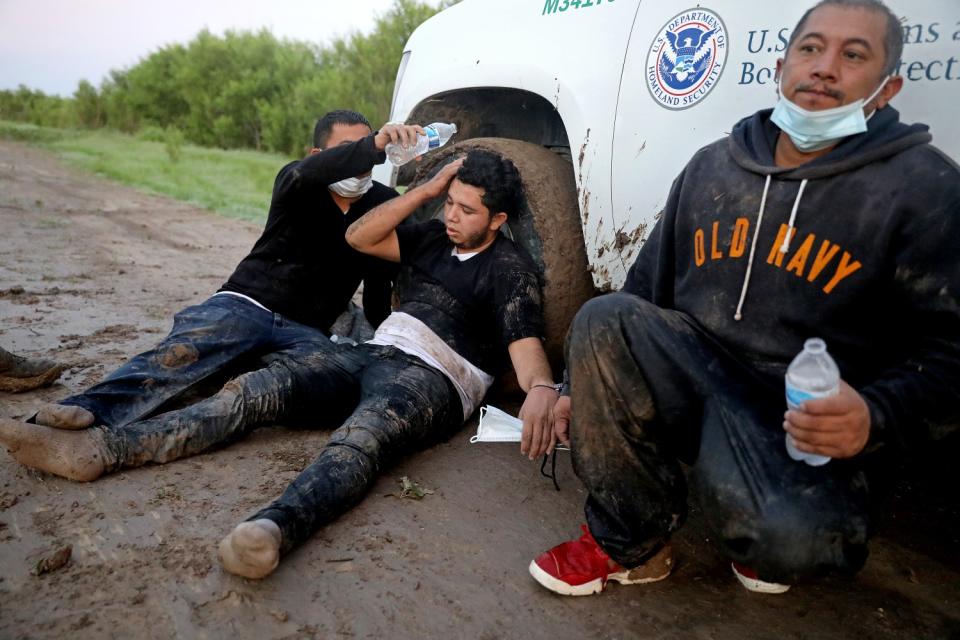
(499,179)
(321,132)
(892,40)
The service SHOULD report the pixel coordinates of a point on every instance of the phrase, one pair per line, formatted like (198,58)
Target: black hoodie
(872,266)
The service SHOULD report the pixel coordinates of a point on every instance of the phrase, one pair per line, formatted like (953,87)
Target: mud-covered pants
(206,340)
(385,401)
(650,389)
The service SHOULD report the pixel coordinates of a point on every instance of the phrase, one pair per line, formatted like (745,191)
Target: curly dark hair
(321,132)
(499,179)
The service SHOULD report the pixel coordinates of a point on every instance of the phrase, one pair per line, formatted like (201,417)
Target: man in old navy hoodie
(825,217)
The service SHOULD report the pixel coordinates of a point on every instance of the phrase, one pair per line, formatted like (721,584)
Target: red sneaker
(582,568)
(749,579)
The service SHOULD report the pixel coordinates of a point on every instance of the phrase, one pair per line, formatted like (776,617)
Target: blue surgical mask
(352,187)
(815,130)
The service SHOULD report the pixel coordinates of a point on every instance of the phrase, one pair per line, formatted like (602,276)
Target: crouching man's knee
(786,542)
(600,315)
(611,310)
(612,318)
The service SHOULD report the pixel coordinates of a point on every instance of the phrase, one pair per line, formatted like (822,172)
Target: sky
(53,44)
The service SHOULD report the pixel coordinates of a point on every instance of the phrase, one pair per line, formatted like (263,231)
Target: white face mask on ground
(352,187)
(497,426)
(815,130)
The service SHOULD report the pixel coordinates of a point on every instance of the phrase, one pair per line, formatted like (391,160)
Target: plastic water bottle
(812,374)
(438,134)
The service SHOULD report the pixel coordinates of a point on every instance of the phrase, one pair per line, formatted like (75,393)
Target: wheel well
(492,113)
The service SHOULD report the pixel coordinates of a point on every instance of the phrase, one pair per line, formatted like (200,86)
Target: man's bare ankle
(270,526)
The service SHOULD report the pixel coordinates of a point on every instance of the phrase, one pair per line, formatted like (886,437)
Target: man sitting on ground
(282,298)
(855,241)
(468,298)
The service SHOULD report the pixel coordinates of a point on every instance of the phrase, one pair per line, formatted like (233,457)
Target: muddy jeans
(650,389)
(386,402)
(206,340)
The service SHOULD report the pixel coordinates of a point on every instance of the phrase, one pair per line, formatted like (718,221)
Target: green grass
(233,183)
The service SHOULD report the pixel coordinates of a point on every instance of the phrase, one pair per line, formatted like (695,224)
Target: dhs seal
(686,59)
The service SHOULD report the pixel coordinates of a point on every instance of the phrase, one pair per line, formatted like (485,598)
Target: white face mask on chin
(352,187)
(815,130)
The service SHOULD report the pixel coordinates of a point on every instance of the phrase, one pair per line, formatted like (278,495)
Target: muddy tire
(548,228)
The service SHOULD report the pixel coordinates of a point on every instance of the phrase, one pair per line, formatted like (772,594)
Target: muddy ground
(91,272)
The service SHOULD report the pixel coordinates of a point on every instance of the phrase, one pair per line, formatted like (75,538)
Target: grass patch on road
(234,183)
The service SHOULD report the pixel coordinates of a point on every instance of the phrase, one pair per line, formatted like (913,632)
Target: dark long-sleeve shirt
(302,267)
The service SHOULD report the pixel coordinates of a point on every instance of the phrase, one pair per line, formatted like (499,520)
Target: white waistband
(408,334)
(240,295)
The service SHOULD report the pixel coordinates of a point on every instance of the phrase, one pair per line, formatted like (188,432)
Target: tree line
(241,90)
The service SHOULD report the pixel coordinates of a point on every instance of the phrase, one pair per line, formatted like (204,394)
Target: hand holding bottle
(433,136)
(837,426)
(397,134)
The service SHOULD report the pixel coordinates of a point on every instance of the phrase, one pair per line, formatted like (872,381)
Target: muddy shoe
(582,568)
(24,374)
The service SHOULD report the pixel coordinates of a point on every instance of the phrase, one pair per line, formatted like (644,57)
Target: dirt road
(91,272)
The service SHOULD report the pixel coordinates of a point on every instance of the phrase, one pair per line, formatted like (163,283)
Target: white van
(601,103)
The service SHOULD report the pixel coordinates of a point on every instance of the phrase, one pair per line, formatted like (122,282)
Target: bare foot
(77,455)
(252,549)
(64,416)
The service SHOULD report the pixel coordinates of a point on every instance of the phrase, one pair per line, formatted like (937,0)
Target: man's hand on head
(438,184)
(403,134)
(538,436)
(838,426)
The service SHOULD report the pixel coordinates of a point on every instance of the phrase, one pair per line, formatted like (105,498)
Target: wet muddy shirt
(302,267)
(478,306)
